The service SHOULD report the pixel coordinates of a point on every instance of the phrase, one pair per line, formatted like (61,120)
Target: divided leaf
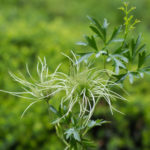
(96,23)
(98,122)
(142,58)
(144,70)
(105,25)
(84,57)
(114,34)
(88,143)
(136,48)
(100,30)
(121,77)
(73,133)
(91,42)
(95,30)
(118,60)
(53,109)
(82,43)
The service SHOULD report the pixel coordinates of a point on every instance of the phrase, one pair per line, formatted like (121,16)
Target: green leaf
(121,57)
(100,53)
(132,75)
(121,51)
(117,40)
(73,133)
(77,136)
(102,29)
(114,34)
(118,64)
(88,143)
(84,57)
(74,121)
(56,121)
(141,49)
(118,50)
(144,70)
(51,108)
(59,131)
(94,29)
(121,77)
(98,122)
(91,42)
(138,41)
(81,43)
(141,60)
(105,24)
(96,23)
(141,74)
(62,110)
(134,47)
(119,61)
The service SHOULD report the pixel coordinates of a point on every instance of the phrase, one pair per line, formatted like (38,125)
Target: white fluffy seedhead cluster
(42,88)
(84,88)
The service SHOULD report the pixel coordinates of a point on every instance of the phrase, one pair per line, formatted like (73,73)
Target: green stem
(105,67)
(87,129)
(47,101)
(61,135)
(56,127)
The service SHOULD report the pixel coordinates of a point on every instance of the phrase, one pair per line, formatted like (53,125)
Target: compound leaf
(91,42)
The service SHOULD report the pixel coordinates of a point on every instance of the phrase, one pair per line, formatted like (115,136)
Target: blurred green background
(32,28)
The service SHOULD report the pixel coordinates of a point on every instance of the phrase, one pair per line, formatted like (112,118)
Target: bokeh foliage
(29,29)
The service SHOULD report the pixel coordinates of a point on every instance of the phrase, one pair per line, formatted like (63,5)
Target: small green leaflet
(114,34)
(100,30)
(118,60)
(72,132)
(81,43)
(142,58)
(130,74)
(88,143)
(95,30)
(91,42)
(136,48)
(120,78)
(100,53)
(84,57)
(53,109)
(98,122)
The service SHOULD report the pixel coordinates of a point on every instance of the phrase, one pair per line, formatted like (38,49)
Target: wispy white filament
(85,88)
(45,86)
(82,89)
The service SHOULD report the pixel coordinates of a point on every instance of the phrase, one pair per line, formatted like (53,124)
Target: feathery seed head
(85,87)
(41,88)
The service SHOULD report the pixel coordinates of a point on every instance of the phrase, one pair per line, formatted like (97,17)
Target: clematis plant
(86,85)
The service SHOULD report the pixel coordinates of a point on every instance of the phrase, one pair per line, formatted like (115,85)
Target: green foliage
(126,50)
(40,28)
